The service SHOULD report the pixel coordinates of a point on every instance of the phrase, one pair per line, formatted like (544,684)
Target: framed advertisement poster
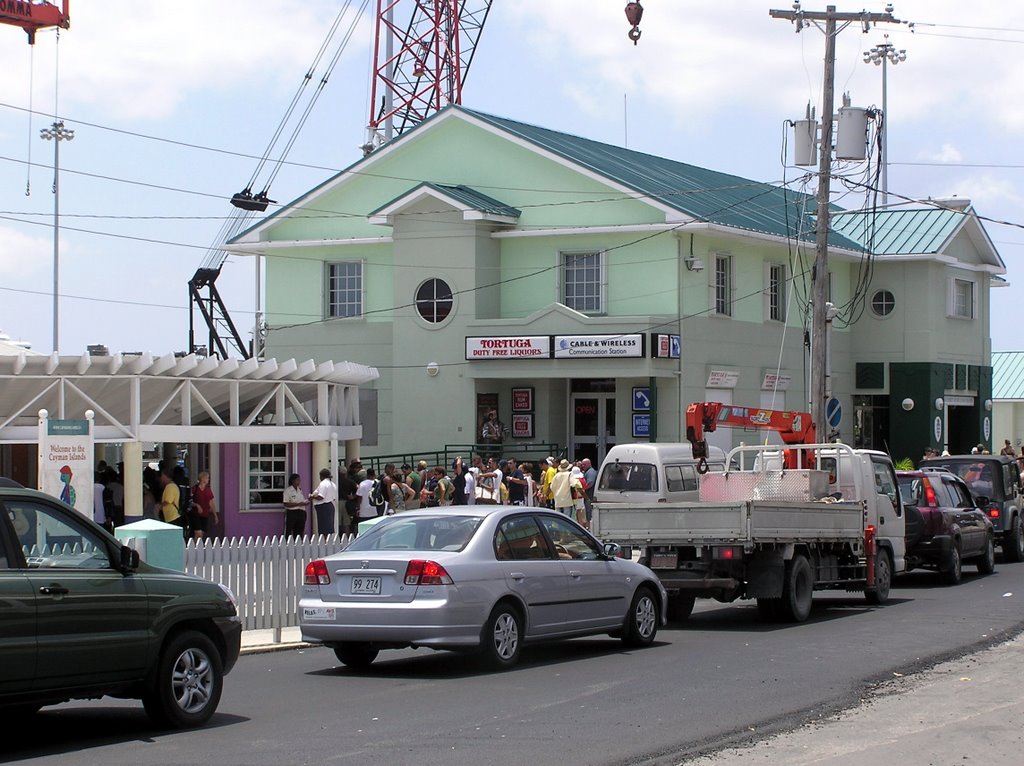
(522,399)
(522,426)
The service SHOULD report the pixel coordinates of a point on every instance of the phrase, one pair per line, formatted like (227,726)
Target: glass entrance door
(593,426)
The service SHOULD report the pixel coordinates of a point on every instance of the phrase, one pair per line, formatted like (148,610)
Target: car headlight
(230,595)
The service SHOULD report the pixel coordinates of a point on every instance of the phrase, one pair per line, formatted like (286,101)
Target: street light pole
(56,133)
(880,55)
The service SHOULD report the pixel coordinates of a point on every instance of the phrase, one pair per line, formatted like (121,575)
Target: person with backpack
(367,498)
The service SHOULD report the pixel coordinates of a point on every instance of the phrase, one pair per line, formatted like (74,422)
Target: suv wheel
(987,562)
(188,684)
(953,570)
(1013,541)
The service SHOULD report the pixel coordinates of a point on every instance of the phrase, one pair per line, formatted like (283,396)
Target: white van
(652,473)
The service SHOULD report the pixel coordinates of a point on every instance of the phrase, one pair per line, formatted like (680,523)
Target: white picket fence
(264,573)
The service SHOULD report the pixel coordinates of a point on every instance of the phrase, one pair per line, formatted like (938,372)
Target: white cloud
(948,153)
(134,59)
(986,191)
(22,255)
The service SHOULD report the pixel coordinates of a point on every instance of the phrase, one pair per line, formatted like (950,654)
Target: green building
(588,293)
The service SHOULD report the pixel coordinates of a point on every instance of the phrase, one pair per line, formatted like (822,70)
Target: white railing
(264,573)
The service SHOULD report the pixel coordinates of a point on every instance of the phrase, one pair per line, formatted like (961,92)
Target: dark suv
(82,617)
(995,483)
(944,528)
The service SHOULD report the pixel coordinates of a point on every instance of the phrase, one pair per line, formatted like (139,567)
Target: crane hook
(634,12)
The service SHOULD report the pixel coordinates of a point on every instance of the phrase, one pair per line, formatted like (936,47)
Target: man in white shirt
(324,497)
(366,509)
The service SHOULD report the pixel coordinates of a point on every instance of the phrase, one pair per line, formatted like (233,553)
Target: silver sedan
(480,578)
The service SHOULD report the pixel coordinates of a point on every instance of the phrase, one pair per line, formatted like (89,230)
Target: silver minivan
(652,473)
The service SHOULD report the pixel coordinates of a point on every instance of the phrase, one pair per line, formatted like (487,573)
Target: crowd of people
(361,494)
(167,495)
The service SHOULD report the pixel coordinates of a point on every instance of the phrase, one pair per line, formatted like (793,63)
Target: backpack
(377,497)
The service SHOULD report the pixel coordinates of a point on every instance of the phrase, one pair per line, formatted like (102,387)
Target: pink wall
(255,523)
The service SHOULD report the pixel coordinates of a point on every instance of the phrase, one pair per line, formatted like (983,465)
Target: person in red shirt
(204,506)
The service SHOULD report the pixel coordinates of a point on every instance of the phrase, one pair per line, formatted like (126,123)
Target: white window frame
(602,281)
(249,472)
(955,309)
(329,292)
(776,285)
(725,308)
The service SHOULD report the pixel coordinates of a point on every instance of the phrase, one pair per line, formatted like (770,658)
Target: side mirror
(129,559)
(612,550)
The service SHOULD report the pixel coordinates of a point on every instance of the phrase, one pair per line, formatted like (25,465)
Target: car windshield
(418,532)
(629,477)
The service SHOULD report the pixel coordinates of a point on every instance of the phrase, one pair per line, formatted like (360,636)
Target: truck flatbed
(742,522)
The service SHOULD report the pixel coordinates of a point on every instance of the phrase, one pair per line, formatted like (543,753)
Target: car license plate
(318,612)
(664,560)
(366,585)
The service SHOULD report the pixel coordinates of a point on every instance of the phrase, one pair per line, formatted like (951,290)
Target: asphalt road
(721,678)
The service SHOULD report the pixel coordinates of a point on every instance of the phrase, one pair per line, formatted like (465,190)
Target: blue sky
(709,83)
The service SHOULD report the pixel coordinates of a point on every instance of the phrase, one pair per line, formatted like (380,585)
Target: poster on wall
(66,461)
(522,399)
(522,426)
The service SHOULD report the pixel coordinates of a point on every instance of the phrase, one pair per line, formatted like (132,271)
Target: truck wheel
(987,562)
(954,569)
(189,680)
(679,607)
(642,619)
(879,594)
(355,655)
(1013,541)
(798,590)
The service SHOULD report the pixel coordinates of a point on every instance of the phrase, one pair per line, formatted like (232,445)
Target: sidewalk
(965,711)
(256,641)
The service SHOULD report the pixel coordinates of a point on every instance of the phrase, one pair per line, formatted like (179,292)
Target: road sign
(641,399)
(641,426)
(833,412)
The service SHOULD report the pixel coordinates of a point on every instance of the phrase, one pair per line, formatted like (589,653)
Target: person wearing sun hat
(561,490)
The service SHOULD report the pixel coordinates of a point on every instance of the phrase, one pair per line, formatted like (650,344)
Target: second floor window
(963,299)
(776,292)
(583,282)
(345,289)
(723,285)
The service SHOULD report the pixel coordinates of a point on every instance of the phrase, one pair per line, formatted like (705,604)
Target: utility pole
(831,23)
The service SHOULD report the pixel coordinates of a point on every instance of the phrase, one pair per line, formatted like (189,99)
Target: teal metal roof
(901,232)
(477,200)
(1008,374)
(465,195)
(706,195)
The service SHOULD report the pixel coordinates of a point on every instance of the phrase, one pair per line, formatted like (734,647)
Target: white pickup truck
(772,534)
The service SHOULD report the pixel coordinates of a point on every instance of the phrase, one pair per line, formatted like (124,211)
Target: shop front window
(267,473)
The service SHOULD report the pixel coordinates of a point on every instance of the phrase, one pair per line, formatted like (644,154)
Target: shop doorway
(593,426)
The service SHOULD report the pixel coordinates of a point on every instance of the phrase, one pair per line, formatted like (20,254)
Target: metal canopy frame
(184,399)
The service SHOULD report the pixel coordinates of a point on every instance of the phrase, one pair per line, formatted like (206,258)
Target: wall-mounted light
(988,405)
(908,404)
(433,369)
(939,404)
(693,263)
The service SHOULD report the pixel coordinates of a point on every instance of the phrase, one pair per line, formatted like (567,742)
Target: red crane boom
(34,16)
(793,427)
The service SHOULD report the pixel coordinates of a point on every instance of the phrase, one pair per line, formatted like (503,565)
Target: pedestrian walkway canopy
(146,398)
